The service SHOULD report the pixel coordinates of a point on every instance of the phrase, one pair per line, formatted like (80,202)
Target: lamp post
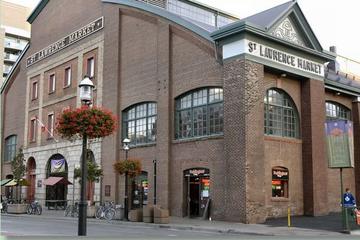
(86,87)
(126,147)
(73,198)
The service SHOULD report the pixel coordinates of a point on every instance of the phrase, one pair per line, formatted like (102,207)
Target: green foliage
(131,166)
(94,172)
(17,165)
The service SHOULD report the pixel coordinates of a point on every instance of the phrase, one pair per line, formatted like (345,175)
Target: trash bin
(119,213)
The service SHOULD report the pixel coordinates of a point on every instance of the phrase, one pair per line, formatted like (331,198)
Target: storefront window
(199,113)
(140,189)
(280,114)
(139,123)
(335,111)
(280,182)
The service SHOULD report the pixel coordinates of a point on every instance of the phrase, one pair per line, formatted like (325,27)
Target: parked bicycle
(4,205)
(106,211)
(72,209)
(34,208)
(111,212)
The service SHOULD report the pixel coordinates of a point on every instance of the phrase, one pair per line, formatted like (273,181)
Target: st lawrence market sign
(273,55)
(64,42)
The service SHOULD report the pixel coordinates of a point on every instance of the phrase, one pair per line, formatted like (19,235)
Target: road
(27,226)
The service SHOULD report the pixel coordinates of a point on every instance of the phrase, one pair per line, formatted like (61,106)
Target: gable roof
(266,18)
(271,18)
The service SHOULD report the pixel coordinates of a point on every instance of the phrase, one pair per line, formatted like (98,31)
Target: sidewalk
(325,226)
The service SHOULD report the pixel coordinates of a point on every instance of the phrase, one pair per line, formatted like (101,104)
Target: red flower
(94,122)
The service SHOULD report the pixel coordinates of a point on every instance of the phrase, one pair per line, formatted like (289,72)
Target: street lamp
(126,147)
(86,88)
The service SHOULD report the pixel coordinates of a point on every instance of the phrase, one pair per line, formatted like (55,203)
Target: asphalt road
(36,227)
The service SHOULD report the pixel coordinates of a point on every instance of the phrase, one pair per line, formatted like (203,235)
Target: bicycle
(103,211)
(111,212)
(34,208)
(73,209)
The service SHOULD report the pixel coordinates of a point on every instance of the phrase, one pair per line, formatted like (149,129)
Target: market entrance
(56,181)
(197,186)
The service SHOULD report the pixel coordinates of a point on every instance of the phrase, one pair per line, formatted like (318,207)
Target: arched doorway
(56,167)
(31,176)
(196,191)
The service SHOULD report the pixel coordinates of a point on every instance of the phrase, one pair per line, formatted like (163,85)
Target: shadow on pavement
(331,222)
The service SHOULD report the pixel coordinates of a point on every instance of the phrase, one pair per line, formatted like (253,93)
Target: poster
(340,143)
(57,165)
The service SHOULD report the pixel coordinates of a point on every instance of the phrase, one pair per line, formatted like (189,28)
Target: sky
(334,22)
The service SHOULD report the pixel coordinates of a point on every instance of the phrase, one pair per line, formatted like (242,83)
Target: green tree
(94,174)
(18,169)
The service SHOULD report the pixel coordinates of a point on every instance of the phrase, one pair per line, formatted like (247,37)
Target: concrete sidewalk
(325,226)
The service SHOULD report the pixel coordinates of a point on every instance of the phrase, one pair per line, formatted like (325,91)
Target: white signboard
(273,55)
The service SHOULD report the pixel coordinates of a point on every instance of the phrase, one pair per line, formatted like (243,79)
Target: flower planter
(17,208)
(135,215)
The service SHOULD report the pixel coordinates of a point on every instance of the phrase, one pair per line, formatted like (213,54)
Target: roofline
(164,14)
(214,9)
(3,86)
(37,11)
(329,84)
(244,26)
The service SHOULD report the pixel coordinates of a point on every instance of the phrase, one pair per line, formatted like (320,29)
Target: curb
(153,225)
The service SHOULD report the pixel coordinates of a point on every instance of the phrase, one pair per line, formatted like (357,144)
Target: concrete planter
(161,215)
(91,211)
(17,208)
(148,214)
(135,215)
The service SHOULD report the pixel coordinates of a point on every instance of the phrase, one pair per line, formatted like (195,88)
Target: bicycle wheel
(109,214)
(29,209)
(98,213)
(67,210)
(38,210)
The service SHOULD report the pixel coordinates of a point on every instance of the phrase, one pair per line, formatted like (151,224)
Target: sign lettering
(64,42)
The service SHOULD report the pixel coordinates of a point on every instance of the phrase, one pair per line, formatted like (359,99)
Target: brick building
(233,114)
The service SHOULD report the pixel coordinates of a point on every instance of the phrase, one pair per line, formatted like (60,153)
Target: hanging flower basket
(131,166)
(94,122)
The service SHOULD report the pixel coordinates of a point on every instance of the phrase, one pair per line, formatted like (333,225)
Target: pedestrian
(349,200)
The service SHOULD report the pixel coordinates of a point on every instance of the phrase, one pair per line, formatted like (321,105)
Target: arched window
(139,123)
(280,182)
(199,113)
(10,148)
(280,114)
(336,111)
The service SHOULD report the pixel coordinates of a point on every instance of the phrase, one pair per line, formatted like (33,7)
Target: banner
(340,143)
(57,165)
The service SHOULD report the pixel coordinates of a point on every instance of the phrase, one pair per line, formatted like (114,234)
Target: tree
(18,168)
(94,174)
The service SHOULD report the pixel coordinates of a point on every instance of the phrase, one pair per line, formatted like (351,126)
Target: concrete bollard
(135,215)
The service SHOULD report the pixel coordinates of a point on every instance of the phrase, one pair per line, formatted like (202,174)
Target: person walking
(349,200)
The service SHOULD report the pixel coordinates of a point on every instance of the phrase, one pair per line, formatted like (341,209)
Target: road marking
(172,235)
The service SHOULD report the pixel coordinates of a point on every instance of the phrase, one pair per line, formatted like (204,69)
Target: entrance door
(194,196)
(197,185)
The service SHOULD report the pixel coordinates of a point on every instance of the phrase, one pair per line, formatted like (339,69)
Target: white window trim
(33,129)
(34,95)
(51,126)
(67,76)
(91,72)
(54,83)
